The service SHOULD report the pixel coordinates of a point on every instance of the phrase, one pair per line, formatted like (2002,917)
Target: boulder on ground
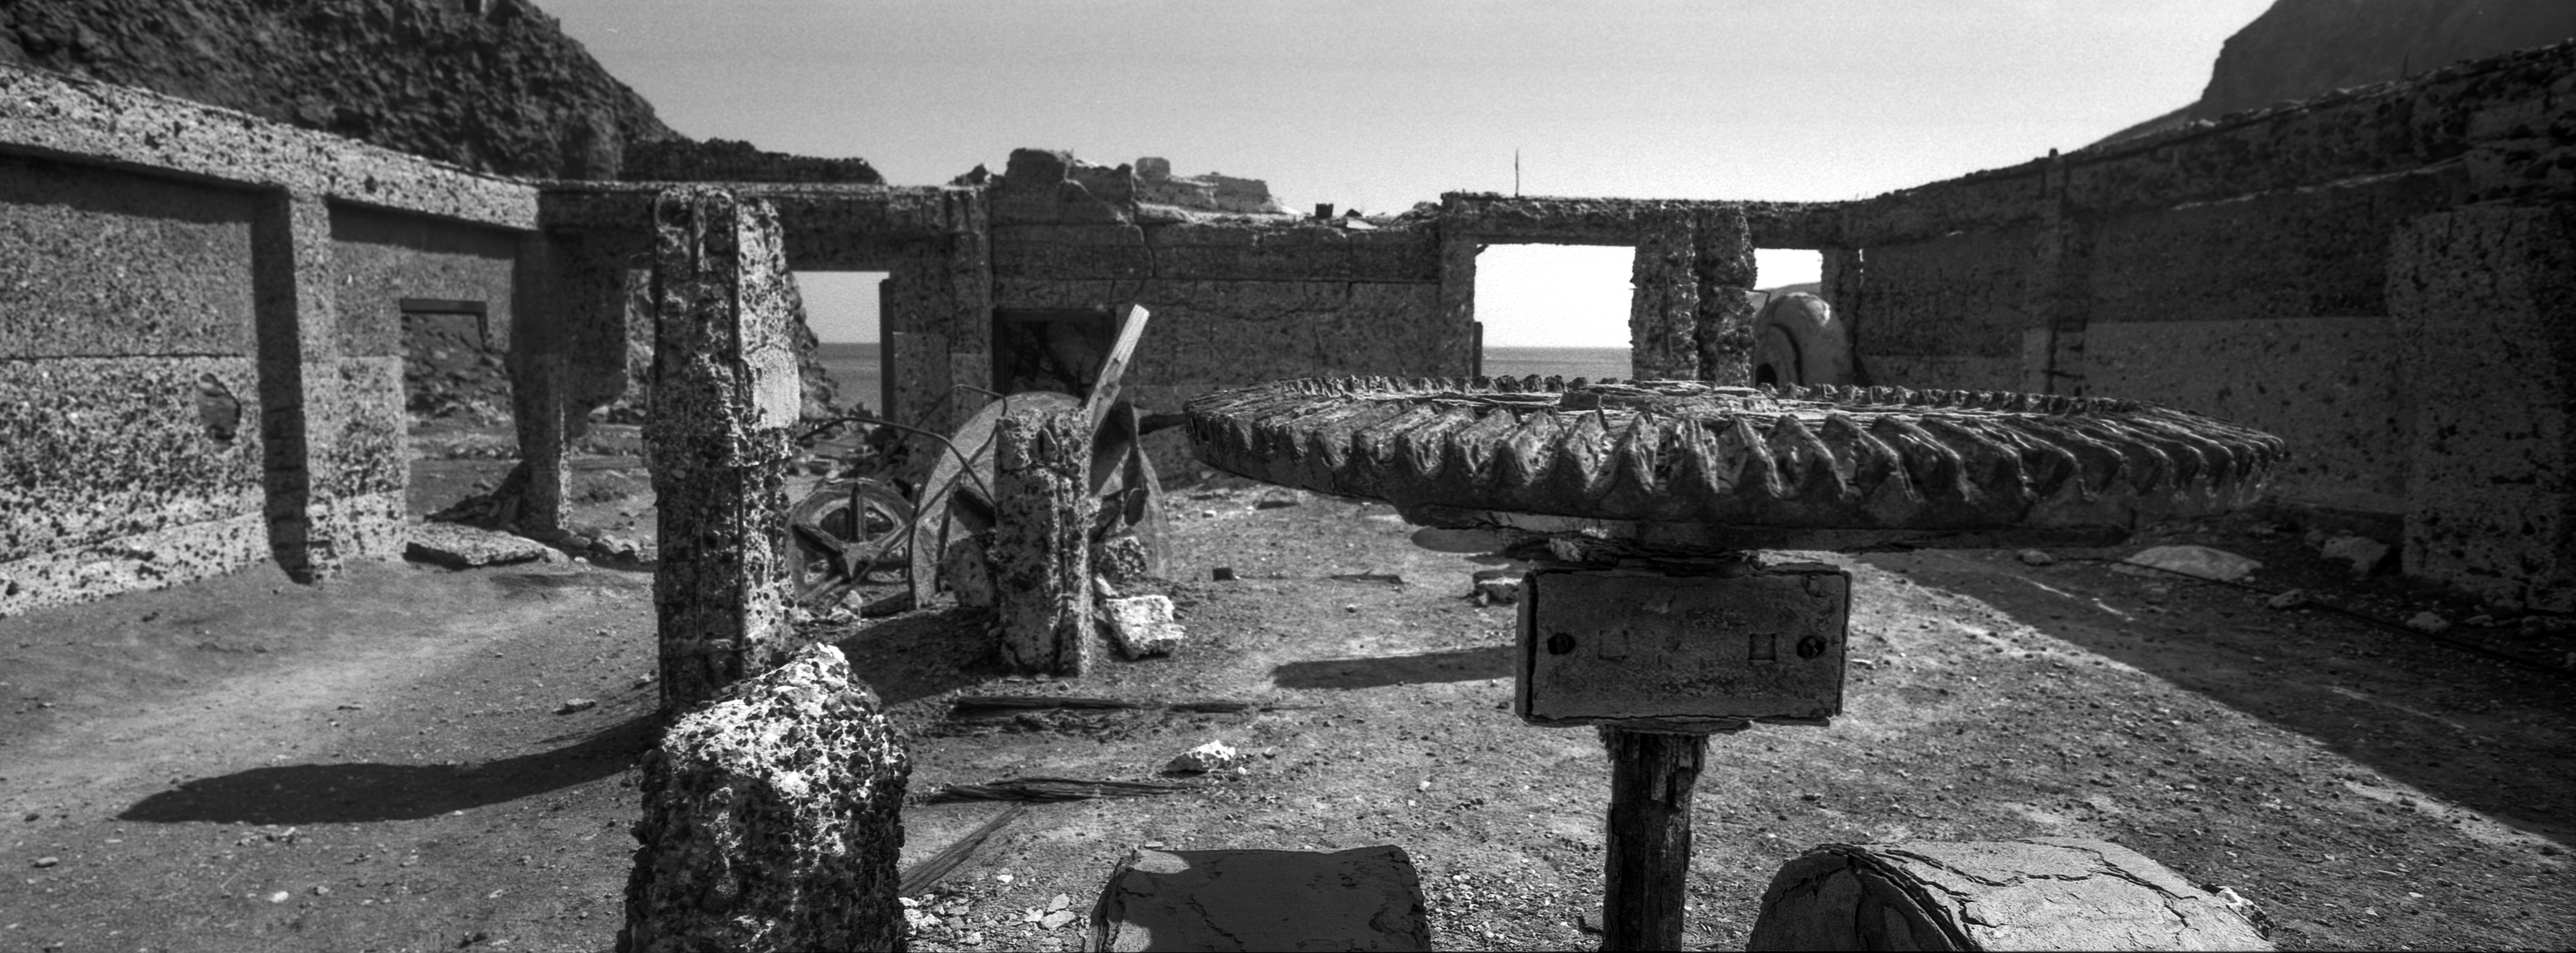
(2199,561)
(771,819)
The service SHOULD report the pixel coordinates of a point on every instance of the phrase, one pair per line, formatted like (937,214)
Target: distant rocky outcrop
(491,85)
(2304,48)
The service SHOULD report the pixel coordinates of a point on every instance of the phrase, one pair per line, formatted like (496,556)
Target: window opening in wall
(844,308)
(1558,310)
(1795,340)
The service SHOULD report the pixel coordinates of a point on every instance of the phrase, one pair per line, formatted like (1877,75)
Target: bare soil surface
(388,761)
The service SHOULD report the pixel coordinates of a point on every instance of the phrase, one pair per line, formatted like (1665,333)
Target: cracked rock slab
(1366,898)
(2041,893)
(466,547)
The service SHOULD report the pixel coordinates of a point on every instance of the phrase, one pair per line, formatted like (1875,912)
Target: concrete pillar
(1458,295)
(1041,545)
(332,425)
(725,396)
(1663,308)
(1722,267)
(538,389)
(772,820)
(1842,283)
(2485,304)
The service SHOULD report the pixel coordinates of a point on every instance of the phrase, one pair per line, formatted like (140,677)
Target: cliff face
(492,85)
(2301,48)
(2304,48)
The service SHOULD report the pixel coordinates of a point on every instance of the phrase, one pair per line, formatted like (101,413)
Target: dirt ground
(388,762)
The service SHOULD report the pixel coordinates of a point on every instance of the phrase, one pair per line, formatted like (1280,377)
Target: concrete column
(2485,304)
(725,396)
(1842,283)
(331,425)
(1041,551)
(538,390)
(1722,268)
(1663,310)
(1458,295)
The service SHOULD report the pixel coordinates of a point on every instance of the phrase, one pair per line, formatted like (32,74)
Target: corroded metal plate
(1645,650)
(1724,462)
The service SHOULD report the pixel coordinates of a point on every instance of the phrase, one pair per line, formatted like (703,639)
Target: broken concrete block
(1212,756)
(2364,553)
(1497,586)
(2034,557)
(2200,561)
(466,547)
(1121,558)
(2288,600)
(770,819)
(1142,625)
(1366,898)
(2429,623)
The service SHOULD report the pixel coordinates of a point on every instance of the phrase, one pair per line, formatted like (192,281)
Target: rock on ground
(1212,756)
(2200,561)
(466,547)
(1142,625)
(771,819)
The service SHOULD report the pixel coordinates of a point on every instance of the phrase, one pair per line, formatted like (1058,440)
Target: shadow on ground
(350,793)
(1462,665)
(920,654)
(2463,727)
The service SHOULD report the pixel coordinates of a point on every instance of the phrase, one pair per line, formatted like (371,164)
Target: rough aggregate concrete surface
(771,820)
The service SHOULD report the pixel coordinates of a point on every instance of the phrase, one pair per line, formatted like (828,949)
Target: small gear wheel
(1729,459)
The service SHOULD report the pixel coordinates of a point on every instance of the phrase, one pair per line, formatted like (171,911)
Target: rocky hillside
(493,85)
(2303,48)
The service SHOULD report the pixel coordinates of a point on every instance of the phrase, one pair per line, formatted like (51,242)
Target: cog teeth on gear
(1826,457)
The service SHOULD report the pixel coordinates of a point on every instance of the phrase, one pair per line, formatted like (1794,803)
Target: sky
(1378,105)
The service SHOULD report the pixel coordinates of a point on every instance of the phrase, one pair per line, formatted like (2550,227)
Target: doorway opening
(846,311)
(1559,310)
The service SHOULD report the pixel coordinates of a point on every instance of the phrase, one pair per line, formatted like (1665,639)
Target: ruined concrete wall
(2485,303)
(452,360)
(2251,269)
(179,395)
(1241,302)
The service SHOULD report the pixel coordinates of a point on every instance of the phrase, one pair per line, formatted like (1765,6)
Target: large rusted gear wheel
(1702,464)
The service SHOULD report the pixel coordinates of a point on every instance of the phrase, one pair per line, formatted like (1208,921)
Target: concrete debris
(466,547)
(2033,557)
(2429,623)
(794,773)
(2199,561)
(1212,756)
(1279,499)
(1142,625)
(572,705)
(1500,591)
(1222,574)
(2364,553)
(969,573)
(2288,600)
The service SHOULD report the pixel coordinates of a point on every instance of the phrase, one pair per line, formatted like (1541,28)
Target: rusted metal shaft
(1647,872)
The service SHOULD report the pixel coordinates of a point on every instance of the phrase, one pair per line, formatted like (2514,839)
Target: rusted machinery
(1653,608)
